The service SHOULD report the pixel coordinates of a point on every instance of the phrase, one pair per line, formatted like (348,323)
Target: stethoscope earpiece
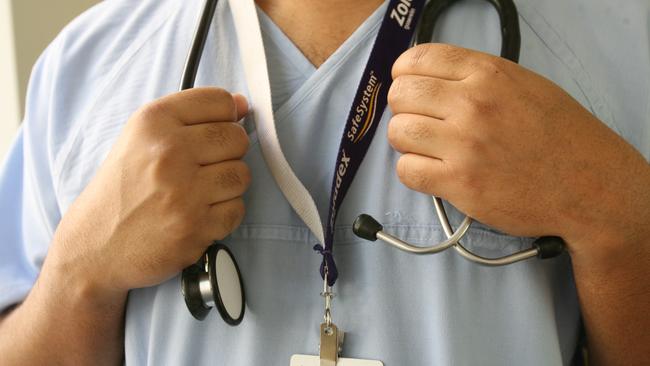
(214,281)
(366,227)
(549,246)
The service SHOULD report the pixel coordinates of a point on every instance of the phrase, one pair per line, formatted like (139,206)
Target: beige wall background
(26,28)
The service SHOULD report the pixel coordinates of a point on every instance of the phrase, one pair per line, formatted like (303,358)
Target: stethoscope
(366,227)
(215,280)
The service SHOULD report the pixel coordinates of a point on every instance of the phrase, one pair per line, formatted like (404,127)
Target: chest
(310,120)
(318,28)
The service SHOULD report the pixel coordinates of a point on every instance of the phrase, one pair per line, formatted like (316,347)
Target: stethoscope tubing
(198,43)
(491,262)
(368,228)
(198,285)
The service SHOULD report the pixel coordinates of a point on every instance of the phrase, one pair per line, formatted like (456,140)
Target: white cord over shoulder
(251,48)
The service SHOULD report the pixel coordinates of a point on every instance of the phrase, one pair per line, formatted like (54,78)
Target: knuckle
(224,98)
(451,54)
(237,212)
(418,54)
(466,175)
(218,94)
(183,225)
(395,92)
(413,175)
(245,174)
(165,149)
(231,217)
(210,96)
(221,95)
(479,104)
(401,168)
(153,112)
(492,67)
(162,154)
(241,140)
(394,129)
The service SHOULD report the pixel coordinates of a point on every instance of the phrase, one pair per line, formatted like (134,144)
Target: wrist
(615,225)
(79,285)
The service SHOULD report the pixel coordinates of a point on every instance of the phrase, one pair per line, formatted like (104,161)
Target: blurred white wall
(9,94)
(26,28)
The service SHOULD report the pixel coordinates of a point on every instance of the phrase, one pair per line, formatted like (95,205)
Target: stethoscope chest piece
(214,281)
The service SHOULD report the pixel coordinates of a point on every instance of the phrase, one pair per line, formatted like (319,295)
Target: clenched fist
(171,185)
(511,149)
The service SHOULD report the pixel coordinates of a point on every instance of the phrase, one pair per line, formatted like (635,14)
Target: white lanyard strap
(251,48)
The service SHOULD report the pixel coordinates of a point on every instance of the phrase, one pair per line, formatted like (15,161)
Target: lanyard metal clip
(331,343)
(331,338)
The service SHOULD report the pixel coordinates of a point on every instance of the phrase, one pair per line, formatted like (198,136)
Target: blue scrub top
(397,308)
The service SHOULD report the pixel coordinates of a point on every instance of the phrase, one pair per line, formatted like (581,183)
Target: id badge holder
(306,360)
(331,343)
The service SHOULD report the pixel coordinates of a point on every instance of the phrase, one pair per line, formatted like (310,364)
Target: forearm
(64,321)
(615,298)
(612,274)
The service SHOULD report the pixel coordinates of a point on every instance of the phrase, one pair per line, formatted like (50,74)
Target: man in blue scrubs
(116,183)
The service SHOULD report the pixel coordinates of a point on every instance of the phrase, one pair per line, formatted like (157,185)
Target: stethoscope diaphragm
(214,281)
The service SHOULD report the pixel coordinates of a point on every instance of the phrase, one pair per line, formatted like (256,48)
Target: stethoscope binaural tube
(508,16)
(368,228)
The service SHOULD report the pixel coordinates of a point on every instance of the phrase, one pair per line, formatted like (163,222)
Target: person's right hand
(171,185)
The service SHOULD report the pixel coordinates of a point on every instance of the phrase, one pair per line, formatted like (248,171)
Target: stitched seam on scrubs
(545,43)
(124,61)
(418,234)
(564,53)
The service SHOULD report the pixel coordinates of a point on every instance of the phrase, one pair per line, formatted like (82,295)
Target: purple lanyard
(394,37)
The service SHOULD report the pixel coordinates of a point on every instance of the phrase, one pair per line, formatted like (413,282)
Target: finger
(225,217)
(421,173)
(241,103)
(217,141)
(223,181)
(414,133)
(423,95)
(438,60)
(199,105)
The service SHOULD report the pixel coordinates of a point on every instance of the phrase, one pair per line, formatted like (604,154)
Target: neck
(318,27)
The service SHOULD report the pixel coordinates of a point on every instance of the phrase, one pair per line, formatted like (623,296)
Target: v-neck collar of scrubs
(364,33)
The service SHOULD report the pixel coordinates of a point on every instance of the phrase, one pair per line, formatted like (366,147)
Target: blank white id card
(304,360)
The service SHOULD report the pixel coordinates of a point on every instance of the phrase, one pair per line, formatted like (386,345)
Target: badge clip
(331,344)
(331,338)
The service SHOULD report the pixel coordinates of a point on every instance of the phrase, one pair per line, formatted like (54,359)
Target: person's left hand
(508,147)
